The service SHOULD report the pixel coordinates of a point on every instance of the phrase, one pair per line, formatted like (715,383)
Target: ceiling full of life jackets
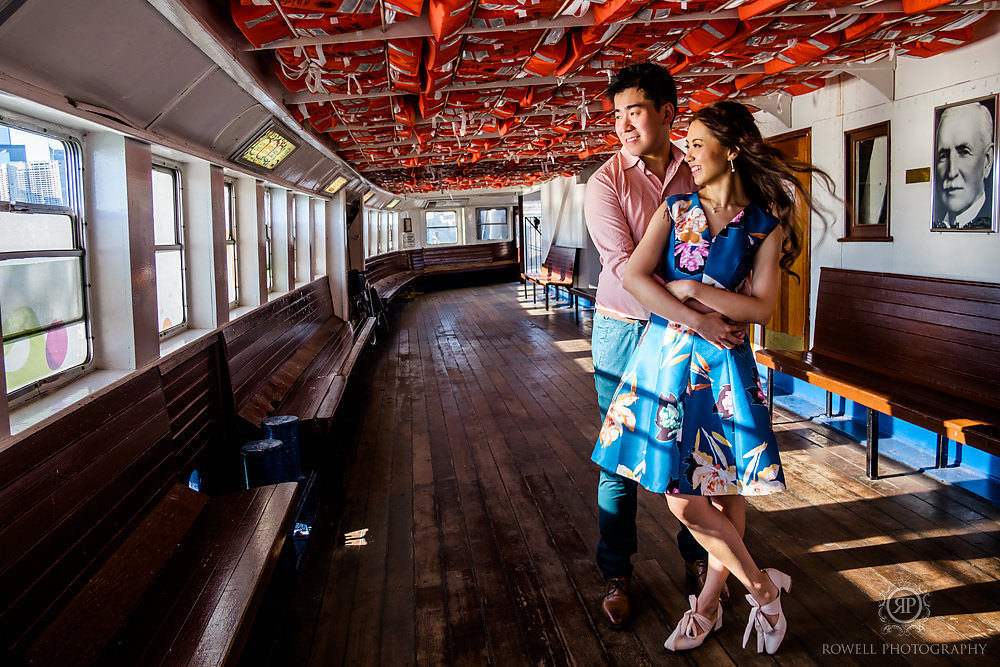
(425,95)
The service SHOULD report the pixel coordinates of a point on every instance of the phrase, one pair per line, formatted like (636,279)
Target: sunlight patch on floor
(573,345)
(356,538)
(871,541)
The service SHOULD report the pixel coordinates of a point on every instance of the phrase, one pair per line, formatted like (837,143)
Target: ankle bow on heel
(768,636)
(692,629)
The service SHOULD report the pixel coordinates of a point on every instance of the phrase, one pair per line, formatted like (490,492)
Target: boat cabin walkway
(458,522)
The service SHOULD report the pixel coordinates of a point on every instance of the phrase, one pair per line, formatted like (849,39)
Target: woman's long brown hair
(769,178)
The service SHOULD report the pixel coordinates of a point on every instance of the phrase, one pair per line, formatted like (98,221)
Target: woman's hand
(682,290)
(719,331)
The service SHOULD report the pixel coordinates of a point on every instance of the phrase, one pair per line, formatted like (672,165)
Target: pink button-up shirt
(621,197)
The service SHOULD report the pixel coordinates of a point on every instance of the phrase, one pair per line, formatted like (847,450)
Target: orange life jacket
(447,17)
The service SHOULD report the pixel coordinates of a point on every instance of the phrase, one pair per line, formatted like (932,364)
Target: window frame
(370,239)
(480,225)
(458,227)
(178,245)
(853,231)
(75,210)
(232,237)
(392,224)
(268,246)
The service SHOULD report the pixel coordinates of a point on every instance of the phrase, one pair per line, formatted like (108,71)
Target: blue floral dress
(687,417)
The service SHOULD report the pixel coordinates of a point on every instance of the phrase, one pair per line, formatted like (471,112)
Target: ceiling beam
(472,136)
(778,104)
(299,98)
(533,162)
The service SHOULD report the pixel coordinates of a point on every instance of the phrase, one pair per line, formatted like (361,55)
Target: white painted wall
(335,218)
(466,216)
(563,223)
(920,86)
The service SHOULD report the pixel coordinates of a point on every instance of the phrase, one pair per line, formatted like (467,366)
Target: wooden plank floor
(462,451)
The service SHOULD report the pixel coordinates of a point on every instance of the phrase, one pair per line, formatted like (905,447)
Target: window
(231,260)
(393,224)
(868,184)
(383,231)
(42,285)
(442,227)
(169,245)
(267,238)
(371,232)
(491,224)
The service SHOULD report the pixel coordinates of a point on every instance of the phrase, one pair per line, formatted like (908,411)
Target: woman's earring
(732,167)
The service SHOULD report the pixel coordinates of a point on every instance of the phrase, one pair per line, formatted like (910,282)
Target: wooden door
(789,326)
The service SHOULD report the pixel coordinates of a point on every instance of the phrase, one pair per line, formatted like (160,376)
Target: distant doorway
(788,328)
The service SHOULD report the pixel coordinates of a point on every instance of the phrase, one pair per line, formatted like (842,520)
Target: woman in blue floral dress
(689,418)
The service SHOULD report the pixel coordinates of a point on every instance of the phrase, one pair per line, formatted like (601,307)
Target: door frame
(804,136)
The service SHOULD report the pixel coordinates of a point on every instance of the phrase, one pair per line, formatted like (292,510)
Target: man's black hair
(654,81)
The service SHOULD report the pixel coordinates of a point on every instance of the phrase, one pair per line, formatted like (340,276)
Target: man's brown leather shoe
(696,572)
(616,604)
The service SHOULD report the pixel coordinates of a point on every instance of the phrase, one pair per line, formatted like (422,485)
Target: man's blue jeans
(612,343)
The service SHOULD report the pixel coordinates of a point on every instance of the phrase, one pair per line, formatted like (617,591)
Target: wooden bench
(292,357)
(923,350)
(588,293)
(462,258)
(557,270)
(389,273)
(107,559)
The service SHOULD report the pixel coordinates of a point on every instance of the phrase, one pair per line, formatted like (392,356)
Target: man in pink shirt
(621,197)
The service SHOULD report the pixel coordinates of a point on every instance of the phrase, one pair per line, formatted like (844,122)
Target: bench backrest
(937,332)
(258,343)
(69,486)
(504,252)
(561,262)
(387,264)
(199,403)
(455,255)
(438,258)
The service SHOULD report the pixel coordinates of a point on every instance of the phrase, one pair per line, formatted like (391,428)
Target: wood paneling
(70,487)
(199,400)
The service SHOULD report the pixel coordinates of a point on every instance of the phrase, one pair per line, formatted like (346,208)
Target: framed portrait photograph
(964,169)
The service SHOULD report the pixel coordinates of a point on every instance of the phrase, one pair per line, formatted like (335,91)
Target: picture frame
(407,225)
(867,198)
(964,166)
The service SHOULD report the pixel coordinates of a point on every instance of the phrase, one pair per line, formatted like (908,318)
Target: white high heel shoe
(768,636)
(692,629)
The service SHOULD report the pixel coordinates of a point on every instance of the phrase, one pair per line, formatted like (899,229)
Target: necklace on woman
(721,207)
